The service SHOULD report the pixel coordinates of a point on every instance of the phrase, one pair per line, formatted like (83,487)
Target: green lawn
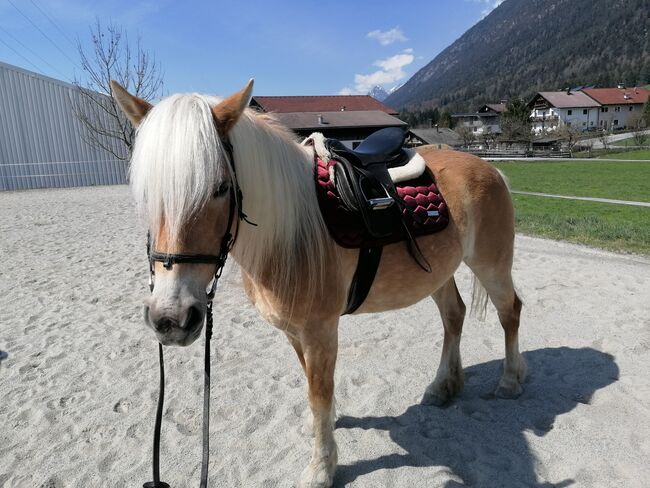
(632,155)
(609,226)
(617,180)
(613,227)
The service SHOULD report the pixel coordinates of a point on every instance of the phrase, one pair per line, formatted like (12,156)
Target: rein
(219,260)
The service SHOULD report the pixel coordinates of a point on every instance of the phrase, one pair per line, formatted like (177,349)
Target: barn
(41,140)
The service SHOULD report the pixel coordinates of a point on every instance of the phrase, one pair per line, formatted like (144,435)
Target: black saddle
(365,187)
(363,180)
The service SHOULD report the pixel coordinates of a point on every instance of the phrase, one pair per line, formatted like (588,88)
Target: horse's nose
(163,321)
(194,318)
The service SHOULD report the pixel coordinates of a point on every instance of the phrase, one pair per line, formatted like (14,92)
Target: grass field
(609,226)
(632,155)
(621,181)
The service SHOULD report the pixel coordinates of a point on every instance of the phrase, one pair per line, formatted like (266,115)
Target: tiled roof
(438,136)
(618,96)
(332,103)
(569,100)
(338,120)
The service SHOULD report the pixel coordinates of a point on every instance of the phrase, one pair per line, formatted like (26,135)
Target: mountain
(378,93)
(525,46)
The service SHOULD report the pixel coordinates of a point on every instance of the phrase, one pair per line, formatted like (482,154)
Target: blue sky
(289,47)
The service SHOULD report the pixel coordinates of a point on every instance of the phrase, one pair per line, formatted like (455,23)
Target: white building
(619,107)
(553,110)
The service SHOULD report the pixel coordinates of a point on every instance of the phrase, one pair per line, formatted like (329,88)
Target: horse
(192,150)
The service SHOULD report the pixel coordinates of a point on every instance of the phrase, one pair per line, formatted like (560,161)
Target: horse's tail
(479,299)
(504,178)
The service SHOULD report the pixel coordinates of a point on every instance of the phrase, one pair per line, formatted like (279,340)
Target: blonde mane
(178,161)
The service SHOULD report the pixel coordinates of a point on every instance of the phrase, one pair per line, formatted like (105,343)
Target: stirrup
(381,202)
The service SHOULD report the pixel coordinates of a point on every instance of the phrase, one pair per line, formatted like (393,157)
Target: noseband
(168,261)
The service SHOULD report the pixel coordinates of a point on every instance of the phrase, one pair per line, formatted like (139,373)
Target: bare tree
(569,135)
(639,136)
(113,58)
(488,137)
(466,134)
(603,137)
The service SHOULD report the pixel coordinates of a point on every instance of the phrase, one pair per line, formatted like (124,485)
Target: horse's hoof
(433,399)
(317,475)
(441,392)
(508,391)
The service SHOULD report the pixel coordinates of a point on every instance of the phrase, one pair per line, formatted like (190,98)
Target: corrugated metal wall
(41,140)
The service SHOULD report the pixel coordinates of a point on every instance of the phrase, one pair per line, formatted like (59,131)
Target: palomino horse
(292,270)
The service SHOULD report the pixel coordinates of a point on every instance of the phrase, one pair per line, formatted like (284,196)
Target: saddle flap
(362,192)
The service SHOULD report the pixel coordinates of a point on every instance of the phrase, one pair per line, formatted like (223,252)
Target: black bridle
(219,260)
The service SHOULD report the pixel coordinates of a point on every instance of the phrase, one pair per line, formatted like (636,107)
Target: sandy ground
(78,390)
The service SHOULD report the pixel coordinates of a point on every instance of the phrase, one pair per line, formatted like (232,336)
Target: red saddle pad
(420,196)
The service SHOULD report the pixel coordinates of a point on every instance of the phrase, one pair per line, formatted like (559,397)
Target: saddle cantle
(364,209)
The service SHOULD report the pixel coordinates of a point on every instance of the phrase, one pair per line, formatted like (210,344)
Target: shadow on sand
(479,438)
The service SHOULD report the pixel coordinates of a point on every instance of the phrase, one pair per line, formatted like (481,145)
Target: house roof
(618,96)
(332,103)
(572,99)
(438,136)
(495,107)
(338,120)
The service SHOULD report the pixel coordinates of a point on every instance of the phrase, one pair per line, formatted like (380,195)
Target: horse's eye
(221,190)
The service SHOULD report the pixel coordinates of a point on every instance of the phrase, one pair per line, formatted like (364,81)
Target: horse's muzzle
(180,328)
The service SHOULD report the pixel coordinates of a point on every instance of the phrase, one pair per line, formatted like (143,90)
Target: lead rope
(205,458)
(206,398)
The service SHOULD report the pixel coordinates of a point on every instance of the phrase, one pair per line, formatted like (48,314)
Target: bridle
(168,260)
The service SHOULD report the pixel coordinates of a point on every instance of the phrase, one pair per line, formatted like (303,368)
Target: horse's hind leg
(498,284)
(449,378)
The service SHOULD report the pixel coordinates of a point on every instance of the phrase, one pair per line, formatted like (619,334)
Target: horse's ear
(227,113)
(133,107)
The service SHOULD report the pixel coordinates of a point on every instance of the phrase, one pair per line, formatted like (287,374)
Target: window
(631,108)
(585,112)
(604,109)
(617,109)
(616,122)
(569,112)
(584,124)
(568,124)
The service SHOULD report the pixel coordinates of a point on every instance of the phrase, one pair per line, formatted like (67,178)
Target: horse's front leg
(317,346)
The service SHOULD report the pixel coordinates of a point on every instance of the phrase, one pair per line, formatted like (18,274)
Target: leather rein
(219,260)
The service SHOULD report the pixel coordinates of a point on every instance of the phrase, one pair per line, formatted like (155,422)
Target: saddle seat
(383,147)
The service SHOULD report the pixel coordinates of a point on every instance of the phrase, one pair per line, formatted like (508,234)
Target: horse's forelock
(177,160)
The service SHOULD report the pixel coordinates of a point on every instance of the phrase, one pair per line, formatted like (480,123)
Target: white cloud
(390,36)
(391,71)
(489,5)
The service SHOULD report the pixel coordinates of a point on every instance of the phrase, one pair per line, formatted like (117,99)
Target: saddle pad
(421,200)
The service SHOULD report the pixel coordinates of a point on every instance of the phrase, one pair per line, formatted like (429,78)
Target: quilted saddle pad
(424,210)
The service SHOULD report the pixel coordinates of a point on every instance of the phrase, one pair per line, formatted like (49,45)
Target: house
(553,110)
(437,136)
(619,107)
(349,118)
(485,119)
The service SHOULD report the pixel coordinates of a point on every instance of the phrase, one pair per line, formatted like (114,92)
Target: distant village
(43,143)
(549,118)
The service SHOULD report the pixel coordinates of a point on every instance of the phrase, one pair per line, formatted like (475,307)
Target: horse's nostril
(163,324)
(194,318)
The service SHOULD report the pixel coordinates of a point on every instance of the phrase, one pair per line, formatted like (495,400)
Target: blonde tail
(479,300)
